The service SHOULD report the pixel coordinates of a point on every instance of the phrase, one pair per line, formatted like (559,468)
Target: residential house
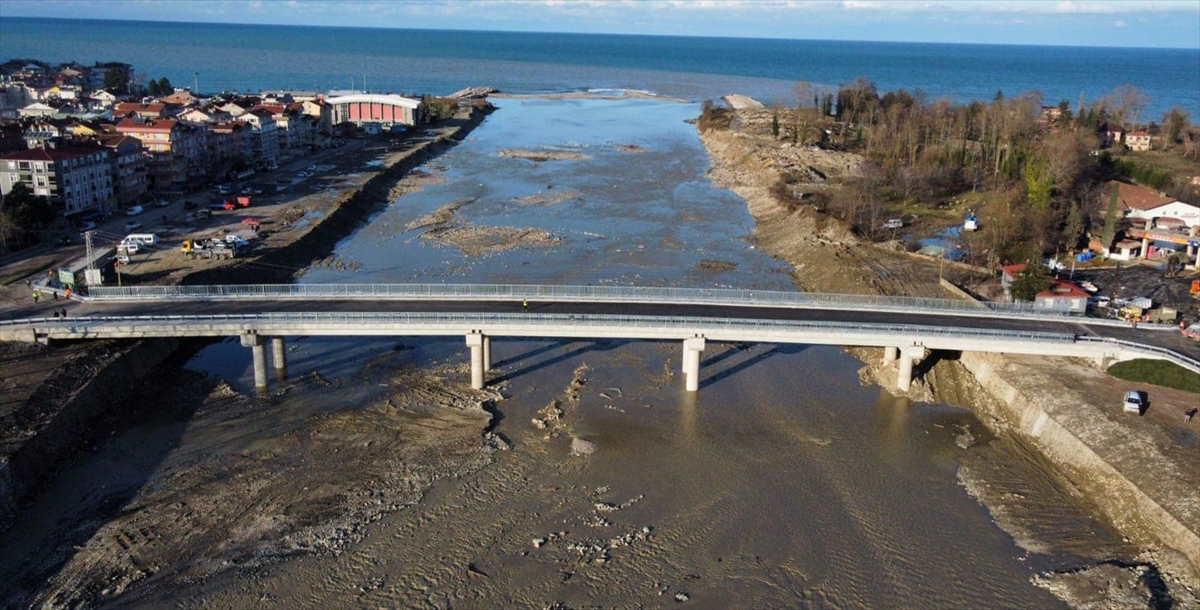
(178,151)
(264,136)
(106,99)
(74,179)
(229,142)
(37,109)
(129,167)
(1137,140)
(1137,202)
(97,73)
(153,110)
(1008,275)
(234,110)
(1062,297)
(182,97)
(38,133)
(1125,250)
(1111,135)
(322,112)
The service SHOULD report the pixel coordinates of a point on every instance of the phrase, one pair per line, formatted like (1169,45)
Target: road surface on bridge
(1168,338)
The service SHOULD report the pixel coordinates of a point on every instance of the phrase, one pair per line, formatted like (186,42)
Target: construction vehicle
(1131,313)
(1195,290)
(208,248)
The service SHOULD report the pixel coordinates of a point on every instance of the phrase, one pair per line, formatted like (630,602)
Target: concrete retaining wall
(1126,505)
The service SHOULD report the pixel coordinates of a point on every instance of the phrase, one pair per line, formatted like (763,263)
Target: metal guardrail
(627,294)
(526,319)
(1186,362)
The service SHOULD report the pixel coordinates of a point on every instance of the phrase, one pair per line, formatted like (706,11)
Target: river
(783,482)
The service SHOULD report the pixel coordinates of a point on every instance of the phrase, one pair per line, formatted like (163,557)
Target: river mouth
(370,474)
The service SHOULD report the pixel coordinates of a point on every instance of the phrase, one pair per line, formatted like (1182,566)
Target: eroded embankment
(61,418)
(825,258)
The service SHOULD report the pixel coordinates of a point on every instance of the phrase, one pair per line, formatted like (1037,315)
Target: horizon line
(429,29)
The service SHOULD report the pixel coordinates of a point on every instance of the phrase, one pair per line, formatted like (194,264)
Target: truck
(208,248)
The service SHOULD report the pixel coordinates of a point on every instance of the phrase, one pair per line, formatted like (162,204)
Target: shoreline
(823,254)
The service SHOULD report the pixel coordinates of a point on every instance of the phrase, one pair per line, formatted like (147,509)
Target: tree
(116,80)
(775,124)
(1110,216)
(1029,282)
(25,210)
(1175,124)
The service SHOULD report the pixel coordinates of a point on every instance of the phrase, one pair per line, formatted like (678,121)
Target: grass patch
(1157,372)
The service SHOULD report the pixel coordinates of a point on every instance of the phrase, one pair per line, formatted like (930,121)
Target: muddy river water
(782,482)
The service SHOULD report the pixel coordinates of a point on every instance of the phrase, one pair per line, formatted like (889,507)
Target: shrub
(1157,372)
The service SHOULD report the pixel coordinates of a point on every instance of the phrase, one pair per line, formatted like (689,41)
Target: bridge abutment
(691,362)
(255,343)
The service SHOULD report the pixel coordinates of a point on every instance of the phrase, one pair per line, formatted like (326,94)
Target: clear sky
(1131,23)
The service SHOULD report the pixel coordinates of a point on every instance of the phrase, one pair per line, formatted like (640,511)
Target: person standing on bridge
(525,305)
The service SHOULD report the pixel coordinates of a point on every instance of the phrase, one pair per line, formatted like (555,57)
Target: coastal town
(115,182)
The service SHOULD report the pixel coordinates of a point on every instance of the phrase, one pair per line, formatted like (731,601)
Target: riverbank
(1132,474)
(55,399)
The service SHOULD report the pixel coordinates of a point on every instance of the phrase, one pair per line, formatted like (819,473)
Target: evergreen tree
(775,125)
(1110,216)
(1029,282)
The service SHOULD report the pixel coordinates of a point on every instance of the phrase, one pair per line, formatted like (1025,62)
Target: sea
(250,58)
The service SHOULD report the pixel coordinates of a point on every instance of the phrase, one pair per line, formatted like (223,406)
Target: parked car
(134,211)
(162,203)
(65,240)
(87,226)
(312,168)
(1134,402)
(132,225)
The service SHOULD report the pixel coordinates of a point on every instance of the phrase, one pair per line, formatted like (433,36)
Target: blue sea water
(256,57)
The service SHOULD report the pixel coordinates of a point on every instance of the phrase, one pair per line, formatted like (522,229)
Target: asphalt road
(1169,338)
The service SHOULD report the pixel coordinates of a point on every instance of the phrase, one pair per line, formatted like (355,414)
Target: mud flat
(543,155)
(80,391)
(1138,477)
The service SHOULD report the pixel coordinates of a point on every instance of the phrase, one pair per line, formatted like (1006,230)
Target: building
(383,111)
(1156,209)
(1137,140)
(74,178)
(129,166)
(1062,297)
(178,152)
(264,136)
(229,142)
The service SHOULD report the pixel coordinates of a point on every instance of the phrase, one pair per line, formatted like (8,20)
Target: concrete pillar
(1196,263)
(1145,246)
(255,343)
(279,358)
(487,353)
(890,354)
(475,342)
(908,357)
(691,362)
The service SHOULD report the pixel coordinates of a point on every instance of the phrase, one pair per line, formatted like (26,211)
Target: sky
(1123,23)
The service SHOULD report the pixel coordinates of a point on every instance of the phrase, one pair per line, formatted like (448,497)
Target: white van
(128,247)
(145,239)
(134,211)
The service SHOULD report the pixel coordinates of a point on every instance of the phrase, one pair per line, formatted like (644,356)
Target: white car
(129,247)
(132,226)
(1134,403)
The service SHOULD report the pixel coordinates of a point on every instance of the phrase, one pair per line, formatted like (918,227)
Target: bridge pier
(691,362)
(255,343)
(890,354)
(475,341)
(487,353)
(279,358)
(911,354)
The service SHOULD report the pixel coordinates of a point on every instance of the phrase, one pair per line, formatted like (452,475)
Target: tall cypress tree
(1110,216)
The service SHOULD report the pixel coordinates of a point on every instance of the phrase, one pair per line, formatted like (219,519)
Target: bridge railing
(1180,359)
(629,294)
(681,323)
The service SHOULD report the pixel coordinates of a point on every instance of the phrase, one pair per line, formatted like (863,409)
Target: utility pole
(195,83)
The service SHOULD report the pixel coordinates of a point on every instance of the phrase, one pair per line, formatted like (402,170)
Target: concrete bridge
(904,327)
